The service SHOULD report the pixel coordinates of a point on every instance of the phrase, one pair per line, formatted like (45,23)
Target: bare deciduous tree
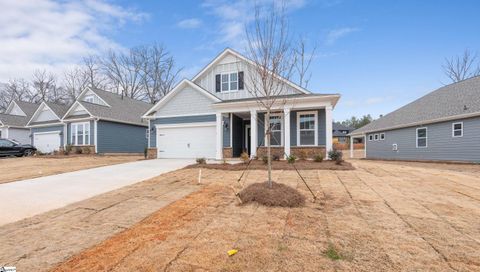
(92,73)
(45,85)
(269,47)
(462,67)
(16,89)
(303,60)
(75,81)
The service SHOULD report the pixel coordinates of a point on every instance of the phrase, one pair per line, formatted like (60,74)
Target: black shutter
(217,83)
(240,80)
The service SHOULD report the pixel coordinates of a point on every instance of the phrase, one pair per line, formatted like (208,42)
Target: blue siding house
(217,114)
(97,122)
(443,125)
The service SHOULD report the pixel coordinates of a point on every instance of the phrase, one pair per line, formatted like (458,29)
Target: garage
(47,142)
(186,141)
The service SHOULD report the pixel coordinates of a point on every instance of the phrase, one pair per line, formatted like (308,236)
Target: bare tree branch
(462,67)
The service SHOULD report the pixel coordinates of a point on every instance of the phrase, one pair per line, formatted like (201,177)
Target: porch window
(276,131)
(307,128)
(80,134)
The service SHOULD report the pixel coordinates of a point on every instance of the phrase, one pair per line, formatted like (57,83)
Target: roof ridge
(119,95)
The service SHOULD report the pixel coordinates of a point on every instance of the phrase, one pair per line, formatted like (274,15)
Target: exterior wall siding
(120,138)
(48,129)
(440,143)
(19,134)
(187,101)
(176,120)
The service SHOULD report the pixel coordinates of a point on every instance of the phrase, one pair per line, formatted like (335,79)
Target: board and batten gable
(231,64)
(186,101)
(440,143)
(45,114)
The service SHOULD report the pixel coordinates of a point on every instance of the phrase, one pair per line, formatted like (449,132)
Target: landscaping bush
(336,156)
(86,150)
(265,159)
(201,161)
(291,159)
(318,158)
(68,149)
(78,151)
(145,152)
(275,157)
(302,155)
(244,157)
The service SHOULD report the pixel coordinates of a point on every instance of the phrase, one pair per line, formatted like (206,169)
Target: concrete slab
(22,199)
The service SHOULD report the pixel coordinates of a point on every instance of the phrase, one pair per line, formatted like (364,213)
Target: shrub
(68,149)
(275,157)
(145,152)
(302,154)
(291,159)
(86,150)
(318,158)
(265,159)
(201,161)
(244,157)
(78,151)
(336,156)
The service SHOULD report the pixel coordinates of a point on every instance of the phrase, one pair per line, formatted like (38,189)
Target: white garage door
(47,142)
(190,141)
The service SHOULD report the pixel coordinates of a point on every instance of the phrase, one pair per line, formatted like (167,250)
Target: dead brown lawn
(379,217)
(13,169)
(277,165)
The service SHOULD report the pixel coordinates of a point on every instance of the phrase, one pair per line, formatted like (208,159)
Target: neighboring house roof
(337,128)
(57,109)
(454,101)
(119,109)
(13,120)
(27,107)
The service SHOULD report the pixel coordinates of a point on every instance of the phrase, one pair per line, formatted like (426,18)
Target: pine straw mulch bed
(280,195)
(277,165)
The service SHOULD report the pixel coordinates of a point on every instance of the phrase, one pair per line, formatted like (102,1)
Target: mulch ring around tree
(280,195)
(277,165)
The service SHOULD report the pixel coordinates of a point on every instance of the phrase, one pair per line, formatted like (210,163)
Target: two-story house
(217,115)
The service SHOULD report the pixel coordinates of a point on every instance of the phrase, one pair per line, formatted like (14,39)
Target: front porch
(301,129)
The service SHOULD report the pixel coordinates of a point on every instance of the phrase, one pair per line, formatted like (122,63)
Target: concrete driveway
(29,197)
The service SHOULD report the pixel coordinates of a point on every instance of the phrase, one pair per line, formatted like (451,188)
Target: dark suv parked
(12,148)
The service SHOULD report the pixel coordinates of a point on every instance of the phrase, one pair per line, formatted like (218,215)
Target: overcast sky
(378,54)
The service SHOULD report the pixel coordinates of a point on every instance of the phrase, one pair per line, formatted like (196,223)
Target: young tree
(303,60)
(269,48)
(462,67)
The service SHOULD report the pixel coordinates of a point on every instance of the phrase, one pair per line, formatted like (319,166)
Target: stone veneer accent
(227,152)
(86,149)
(275,151)
(152,153)
(309,151)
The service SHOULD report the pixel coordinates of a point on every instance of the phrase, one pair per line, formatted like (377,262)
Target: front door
(247,139)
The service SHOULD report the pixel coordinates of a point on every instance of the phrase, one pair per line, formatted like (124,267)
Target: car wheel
(28,153)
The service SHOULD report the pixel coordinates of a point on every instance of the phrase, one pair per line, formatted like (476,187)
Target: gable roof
(240,56)
(454,101)
(180,86)
(339,126)
(27,107)
(57,109)
(16,120)
(119,109)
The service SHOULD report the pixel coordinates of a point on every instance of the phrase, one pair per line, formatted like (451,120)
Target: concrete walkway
(26,198)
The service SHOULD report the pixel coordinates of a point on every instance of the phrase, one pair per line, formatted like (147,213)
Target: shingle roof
(13,120)
(122,109)
(27,107)
(58,109)
(339,126)
(457,99)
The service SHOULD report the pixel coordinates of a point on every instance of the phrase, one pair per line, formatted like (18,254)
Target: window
(307,128)
(80,134)
(276,131)
(147,133)
(376,137)
(370,137)
(457,129)
(229,82)
(421,137)
(89,99)
(6,143)
(382,136)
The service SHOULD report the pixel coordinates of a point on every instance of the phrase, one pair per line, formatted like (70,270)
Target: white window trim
(376,137)
(315,126)
(267,123)
(426,137)
(89,97)
(73,141)
(383,133)
(221,82)
(370,137)
(453,130)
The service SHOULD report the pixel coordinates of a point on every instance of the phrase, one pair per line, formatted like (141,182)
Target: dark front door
(247,139)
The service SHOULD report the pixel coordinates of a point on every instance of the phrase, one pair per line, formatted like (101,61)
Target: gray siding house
(14,120)
(217,115)
(444,125)
(97,122)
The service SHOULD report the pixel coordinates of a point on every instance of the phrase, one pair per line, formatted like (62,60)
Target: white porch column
(286,145)
(219,126)
(253,133)
(328,128)
(351,147)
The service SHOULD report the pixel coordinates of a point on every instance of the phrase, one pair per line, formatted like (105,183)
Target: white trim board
(179,125)
(315,113)
(37,111)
